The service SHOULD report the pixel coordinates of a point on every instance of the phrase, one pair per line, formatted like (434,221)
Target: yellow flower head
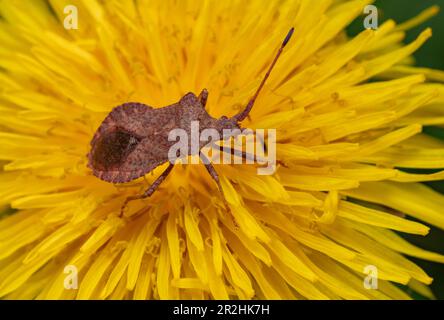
(312,230)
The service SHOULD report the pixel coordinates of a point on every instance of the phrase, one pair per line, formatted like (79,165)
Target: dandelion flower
(333,207)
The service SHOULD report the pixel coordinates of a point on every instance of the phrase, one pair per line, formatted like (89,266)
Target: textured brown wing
(131,141)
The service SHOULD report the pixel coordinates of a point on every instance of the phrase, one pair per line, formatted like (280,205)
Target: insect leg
(248,156)
(215,177)
(203,97)
(151,189)
(244,155)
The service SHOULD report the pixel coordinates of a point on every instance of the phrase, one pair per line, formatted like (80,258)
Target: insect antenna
(242,115)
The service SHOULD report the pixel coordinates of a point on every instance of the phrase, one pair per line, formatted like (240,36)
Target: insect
(133,139)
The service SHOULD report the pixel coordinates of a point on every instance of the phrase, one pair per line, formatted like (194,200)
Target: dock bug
(133,139)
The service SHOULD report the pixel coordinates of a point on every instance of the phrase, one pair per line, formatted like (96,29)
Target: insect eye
(113,148)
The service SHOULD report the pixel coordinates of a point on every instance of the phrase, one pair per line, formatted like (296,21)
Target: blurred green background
(430,55)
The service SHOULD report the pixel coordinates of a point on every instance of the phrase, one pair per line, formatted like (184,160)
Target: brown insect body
(133,138)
